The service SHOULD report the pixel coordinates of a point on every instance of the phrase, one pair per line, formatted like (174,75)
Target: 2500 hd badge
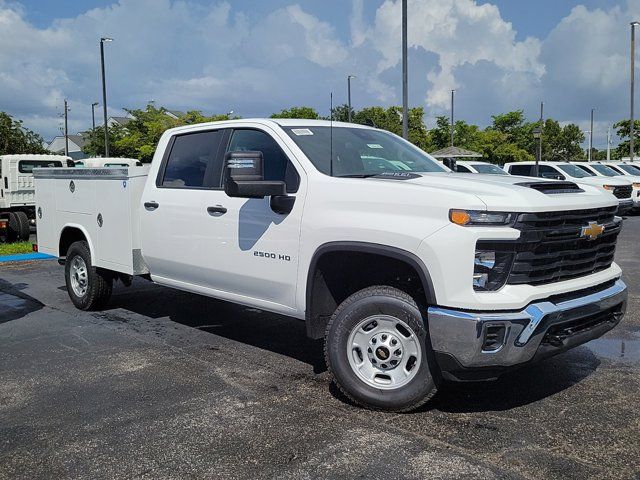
(274,256)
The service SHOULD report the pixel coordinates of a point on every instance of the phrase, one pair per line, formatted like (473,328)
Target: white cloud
(212,56)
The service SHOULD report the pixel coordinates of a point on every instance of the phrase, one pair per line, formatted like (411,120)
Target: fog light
(491,267)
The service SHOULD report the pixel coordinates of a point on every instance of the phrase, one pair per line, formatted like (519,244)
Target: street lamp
(452,124)
(591,135)
(104,95)
(93,114)
(633,55)
(349,94)
(588,132)
(537,135)
(405,75)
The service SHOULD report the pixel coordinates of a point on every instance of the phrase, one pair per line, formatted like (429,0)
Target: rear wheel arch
(381,264)
(71,234)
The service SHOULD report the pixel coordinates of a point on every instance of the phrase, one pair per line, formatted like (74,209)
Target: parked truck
(411,274)
(17,193)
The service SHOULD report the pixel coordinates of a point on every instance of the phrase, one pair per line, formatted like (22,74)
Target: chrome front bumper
(457,337)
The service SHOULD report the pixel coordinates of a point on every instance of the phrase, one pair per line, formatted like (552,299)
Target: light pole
(349,94)
(591,135)
(405,75)
(93,114)
(609,143)
(540,136)
(452,123)
(104,95)
(537,135)
(588,132)
(66,129)
(633,61)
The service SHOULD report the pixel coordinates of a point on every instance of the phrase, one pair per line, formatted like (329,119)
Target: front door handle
(151,206)
(216,210)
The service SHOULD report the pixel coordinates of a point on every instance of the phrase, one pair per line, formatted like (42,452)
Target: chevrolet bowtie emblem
(592,231)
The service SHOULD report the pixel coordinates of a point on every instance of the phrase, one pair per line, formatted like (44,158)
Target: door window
(523,170)
(276,164)
(462,169)
(549,172)
(193,161)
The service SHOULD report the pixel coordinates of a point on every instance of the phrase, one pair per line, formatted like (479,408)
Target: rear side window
(193,161)
(462,169)
(27,166)
(523,170)
(276,163)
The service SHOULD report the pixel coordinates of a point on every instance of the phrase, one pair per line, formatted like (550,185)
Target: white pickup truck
(412,274)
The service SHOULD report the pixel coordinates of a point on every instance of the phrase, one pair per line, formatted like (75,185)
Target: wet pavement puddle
(616,349)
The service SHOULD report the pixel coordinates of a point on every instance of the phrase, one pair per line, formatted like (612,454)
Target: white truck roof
(109,161)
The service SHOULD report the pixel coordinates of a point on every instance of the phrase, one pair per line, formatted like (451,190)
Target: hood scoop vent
(551,188)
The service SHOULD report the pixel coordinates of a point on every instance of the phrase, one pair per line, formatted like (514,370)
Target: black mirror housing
(244,174)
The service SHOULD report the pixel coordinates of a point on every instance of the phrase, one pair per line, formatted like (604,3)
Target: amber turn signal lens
(636,185)
(459,217)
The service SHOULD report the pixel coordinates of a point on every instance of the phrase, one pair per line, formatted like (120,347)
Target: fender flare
(378,249)
(86,236)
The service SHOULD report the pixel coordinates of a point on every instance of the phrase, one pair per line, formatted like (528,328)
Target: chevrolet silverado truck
(412,274)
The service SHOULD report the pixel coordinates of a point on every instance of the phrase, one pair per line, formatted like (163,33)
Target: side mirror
(244,177)
(450,163)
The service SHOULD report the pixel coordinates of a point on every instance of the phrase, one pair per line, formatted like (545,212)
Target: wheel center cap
(382,353)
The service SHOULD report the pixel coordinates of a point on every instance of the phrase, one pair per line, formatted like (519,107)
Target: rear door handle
(151,206)
(216,210)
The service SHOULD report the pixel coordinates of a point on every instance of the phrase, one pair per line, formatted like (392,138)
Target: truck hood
(600,181)
(506,192)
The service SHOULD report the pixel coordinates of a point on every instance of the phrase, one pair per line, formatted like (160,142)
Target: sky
(256,57)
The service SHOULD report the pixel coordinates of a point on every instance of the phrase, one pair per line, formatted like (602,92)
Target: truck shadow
(14,304)
(287,336)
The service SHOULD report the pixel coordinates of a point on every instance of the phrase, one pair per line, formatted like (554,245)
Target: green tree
(623,130)
(15,138)
(140,136)
(297,112)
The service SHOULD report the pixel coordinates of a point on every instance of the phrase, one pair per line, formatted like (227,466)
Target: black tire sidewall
(347,317)
(95,296)
(23,225)
(13,227)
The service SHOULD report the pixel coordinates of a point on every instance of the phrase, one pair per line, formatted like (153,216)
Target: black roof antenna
(331,135)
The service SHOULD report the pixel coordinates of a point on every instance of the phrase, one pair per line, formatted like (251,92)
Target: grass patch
(14,248)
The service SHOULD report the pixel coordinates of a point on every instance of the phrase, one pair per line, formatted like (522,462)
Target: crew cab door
(197,238)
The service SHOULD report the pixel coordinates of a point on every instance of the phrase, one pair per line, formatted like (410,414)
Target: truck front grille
(552,247)
(623,192)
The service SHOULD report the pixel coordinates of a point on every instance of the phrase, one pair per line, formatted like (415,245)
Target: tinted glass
(630,169)
(276,164)
(488,168)
(27,166)
(604,170)
(575,172)
(191,155)
(524,170)
(360,151)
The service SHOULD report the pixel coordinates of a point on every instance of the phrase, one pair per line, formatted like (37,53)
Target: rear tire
(378,351)
(24,231)
(89,288)
(13,227)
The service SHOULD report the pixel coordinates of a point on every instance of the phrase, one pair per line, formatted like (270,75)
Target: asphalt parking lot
(166,384)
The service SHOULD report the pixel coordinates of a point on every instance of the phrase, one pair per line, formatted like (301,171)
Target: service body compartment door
(113,219)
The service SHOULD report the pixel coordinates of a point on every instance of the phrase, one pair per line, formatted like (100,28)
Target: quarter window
(523,170)
(276,164)
(193,161)
(27,166)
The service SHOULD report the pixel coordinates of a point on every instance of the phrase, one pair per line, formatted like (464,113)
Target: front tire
(378,352)
(89,288)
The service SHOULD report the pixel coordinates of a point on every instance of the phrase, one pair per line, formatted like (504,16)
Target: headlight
(478,217)
(611,188)
(636,185)
(492,264)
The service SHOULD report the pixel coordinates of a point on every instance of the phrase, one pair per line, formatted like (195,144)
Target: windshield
(360,152)
(488,168)
(630,169)
(606,171)
(575,172)
(27,166)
